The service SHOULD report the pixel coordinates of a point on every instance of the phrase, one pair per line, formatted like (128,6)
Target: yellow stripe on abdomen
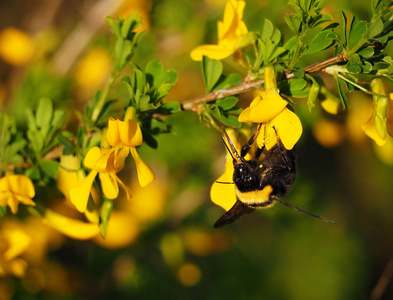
(255,197)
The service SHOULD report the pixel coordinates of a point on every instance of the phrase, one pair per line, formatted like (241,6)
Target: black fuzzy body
(274,169)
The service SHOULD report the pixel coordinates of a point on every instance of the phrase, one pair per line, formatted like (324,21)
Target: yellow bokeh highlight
(385,152)
(16,47)
(148,204)
(356,116)
(189,274)
(202,242)
(328,133)
(122,231)
(93,69)
(143,7)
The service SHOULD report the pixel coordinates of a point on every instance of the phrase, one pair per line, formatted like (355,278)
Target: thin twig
(82,34)
(383,281)
(249,86)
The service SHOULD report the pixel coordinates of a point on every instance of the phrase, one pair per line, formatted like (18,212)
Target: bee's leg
(282,149)
(233,214)
(251,141)
(301,210)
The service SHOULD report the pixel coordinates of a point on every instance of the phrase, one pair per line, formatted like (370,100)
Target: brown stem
(249,86)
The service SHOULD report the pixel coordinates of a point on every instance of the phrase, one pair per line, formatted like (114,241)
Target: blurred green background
(171,250)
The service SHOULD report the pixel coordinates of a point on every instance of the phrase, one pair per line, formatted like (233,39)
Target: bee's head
(244,177)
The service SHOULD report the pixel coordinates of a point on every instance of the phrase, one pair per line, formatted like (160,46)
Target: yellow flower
(13,243)
(127,135)
(269,108)
(72,228)
(106,163)
(232,34)
(15,189)
(223,192)
(66,175)
(376,125)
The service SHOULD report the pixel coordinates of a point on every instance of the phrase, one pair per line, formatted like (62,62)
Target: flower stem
(296,55)
(100,104)
(244,87)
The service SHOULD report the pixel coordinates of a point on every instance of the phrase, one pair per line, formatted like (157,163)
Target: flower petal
(4,185)
(370,130)
(130,133)
(18,242)
(267,138)
(109,184)
(224,194)
(233,15)
(264,110)
(79,194)
(24,200)
(21,185)
(120,156)
(289,128)
(112,135)
(145,173)
(92,157)
(72,228)
(212,51)
(125,188)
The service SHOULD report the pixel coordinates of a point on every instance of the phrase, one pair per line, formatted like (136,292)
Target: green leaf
(366,52)
(129,25)
(10,154)
(293,22)
(153,72)
(226,119)
(59,118)
(313,94)
(354,67)
(114,25)
(33,173)
(267,30)
(3,211)
(49,167)
(299,73)
(227,103)
(212,70)
(123,53)
(105,214)
(139,81)
(341,92)
(318,43)
(168,108)
(296,87)
(36,140)
(376,27)
(344,21)
(367,67)
(356,33)
(319,19)
(232,79)
(68,146)
(44,112)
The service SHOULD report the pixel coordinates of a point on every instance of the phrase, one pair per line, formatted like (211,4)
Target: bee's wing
(233,214)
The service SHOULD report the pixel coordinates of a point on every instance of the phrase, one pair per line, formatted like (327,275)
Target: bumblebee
(260,181)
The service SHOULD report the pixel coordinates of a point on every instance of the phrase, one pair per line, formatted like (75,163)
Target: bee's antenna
(225,182)
(229,145)
(301,210)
